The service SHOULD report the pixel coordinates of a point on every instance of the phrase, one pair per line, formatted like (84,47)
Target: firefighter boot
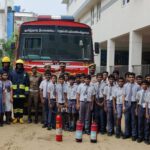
(21,121)
(15,120)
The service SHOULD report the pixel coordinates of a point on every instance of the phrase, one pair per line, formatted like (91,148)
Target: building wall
(111,18)
(1,25)
(117,19)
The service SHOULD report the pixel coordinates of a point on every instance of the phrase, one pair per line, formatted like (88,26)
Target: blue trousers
(100,118)
(52,113)
(110,116)
(46,112)
(141,123)
(130,119)
(147,128)
(118,117)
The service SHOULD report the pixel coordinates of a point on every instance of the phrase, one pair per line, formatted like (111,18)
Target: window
(33,43)
(98,11)
(124,2)
(92,16)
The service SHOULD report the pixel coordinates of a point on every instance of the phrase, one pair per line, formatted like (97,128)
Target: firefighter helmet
(5,59)
(19,61)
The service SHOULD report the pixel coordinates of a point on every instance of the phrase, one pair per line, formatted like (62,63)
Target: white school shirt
(130,91)
(118,94)
(86,92)
(71,91)
(109,92)
(148,99)
(52,90)
(99,89)
(141,97)
(44,87)
(61,90)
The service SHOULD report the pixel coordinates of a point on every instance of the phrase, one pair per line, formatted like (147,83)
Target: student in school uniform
(147,128)
(66,77)
(141,111)
(44,97)
(2,102)
(92,70)
(82,78)
(71,98)
(85,99)
(77,82)
(117,105)
(108,104)
(129,107)
(77,79)
(105,77)
(147,77)
(52,102)
(7,84)
(61,99)
(126,77)
(99,103)
(116,75)
(139,79)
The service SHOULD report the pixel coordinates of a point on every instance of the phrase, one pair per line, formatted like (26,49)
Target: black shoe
(126,137)
(49,127)
(1,125)
(102,132)
(109,133)
(53,127)
(8,122)
(147,142)
(139,140)
(117,136)
(44,126)
(87,132)
(134,138)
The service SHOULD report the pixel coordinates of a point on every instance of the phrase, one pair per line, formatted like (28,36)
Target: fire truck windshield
(56,44)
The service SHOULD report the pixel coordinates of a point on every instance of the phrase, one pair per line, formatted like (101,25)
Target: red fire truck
(53,40)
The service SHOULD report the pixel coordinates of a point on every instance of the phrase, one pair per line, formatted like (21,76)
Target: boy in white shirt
(141,97)
(108,103)
(71,98)
(147,128)
(52,102)
(117,105)
(85,99)
(61,99)
(44,97)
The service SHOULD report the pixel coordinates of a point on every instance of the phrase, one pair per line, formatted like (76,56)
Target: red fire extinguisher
(93,132)
(59,128)
(79,129)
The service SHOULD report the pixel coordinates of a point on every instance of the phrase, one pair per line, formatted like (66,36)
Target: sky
(43,7)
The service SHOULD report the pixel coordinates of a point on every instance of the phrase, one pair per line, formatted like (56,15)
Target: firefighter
(20,84)
(62,69)
(35,80)
(92,70)
(6,66)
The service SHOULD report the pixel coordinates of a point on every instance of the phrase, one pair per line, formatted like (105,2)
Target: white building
(121,27)
(21,17)
(4,4)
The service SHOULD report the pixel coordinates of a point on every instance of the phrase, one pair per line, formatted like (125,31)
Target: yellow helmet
(5,59)
(19,61)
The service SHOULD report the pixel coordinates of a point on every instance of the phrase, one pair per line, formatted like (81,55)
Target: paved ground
(33,137)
